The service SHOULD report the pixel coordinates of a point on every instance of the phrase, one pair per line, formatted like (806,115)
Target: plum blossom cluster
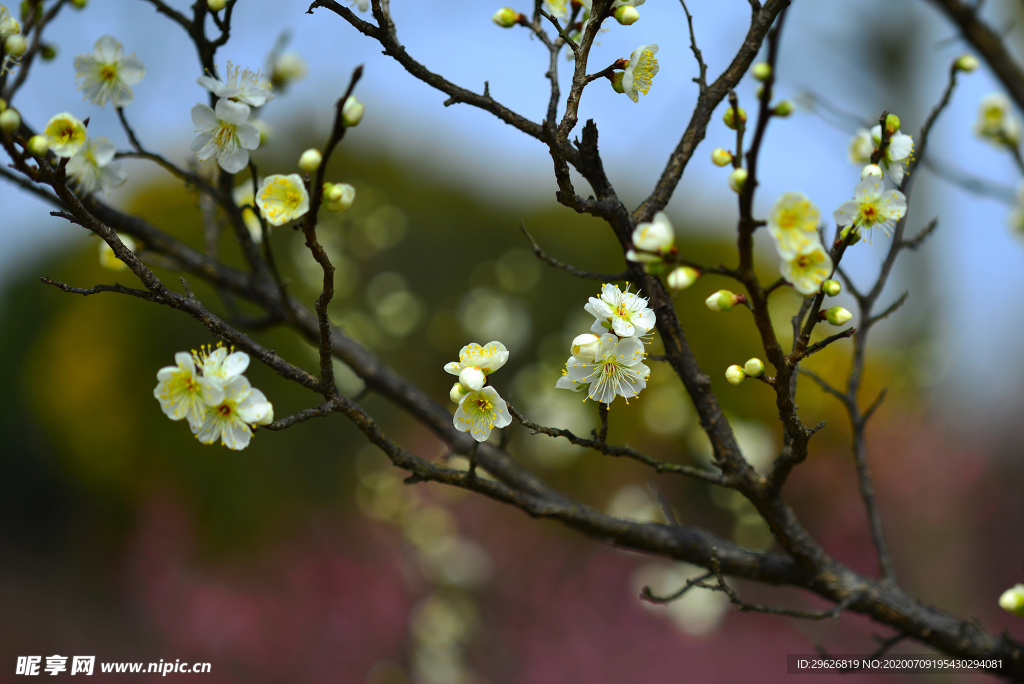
(224,131)
(206,387)
(893,156)
(481,409)
(608,361)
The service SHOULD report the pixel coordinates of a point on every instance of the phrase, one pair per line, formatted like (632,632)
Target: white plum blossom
(93,167)
(480,411)
(996,121)
(793,222)
(219,369)
(230,420)
(9,26)
(64,134)
(861,147)
(282,198)
(617,370)
(871,207)
(638,74)
(808,270)
(653,239)
(487,358)
(239,85)
(179,391)
(623,313)
(559,9)
(225,133)
(106,74)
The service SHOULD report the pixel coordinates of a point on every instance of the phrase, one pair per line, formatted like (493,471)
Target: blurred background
(305,559)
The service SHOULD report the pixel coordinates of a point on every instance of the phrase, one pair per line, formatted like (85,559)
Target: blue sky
(972,261)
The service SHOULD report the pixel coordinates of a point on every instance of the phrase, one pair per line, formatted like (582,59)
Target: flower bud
(730,117)
(682,277)
(339,196)
(584,347)
(472,378)
(737,179)
(723,300)
(352,111)
(79,4)
(754,367)
(10,121)
(216,5)
(626,15)
(892,123)
(831,287)
(48,51)
(872,170)
(762,71)
(286,69)
(721,157)
(506,17)
(310,160)
(837,315)
(735,375)
(1012,600)
(15,46)
(783,109)
(653,238)
(966,63)
(37,146)
(456,393)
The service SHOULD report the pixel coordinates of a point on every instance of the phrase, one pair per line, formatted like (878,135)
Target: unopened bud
(48,51)
(506,17)
(352,111)
(339,196)
(682,277)
(216,5)
(10,121)
(892,123)
(754,367)
(872,170)
(310,160)
(584,347)
(626,15)
(762,71)
(1012,600)
(721,157)
(831,287)
(268,417)
(737,179)
(730,117)
(79,4)
(735,375)
(723,300)
(37,146)
(472,378)
(783,109)
(456,393)
(966,63)
(837,315)
(15,46)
